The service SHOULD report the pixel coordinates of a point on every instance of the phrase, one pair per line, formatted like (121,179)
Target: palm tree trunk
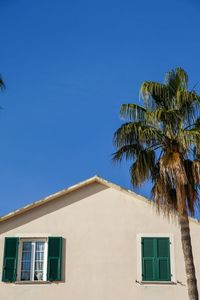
(188,257)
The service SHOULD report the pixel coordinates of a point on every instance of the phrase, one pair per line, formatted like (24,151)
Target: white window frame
(33,241)
(139,256)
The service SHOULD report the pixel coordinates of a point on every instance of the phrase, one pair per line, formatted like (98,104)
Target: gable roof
(53,197)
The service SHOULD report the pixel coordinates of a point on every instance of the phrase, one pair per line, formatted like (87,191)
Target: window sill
(32,282)
(156,282)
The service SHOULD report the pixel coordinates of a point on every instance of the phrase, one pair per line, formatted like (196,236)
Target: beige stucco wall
(100,227)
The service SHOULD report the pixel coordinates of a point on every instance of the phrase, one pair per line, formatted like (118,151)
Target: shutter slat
(156,259)
(10,259)
(54,265)
(163,269)
(163,259)
(148,269)
(148,257)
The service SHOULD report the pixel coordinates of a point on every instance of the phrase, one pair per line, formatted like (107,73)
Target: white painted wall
(100,227)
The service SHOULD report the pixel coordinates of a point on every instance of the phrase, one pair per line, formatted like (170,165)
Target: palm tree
(162,140)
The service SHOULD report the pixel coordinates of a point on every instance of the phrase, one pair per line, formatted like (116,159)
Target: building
(93,241)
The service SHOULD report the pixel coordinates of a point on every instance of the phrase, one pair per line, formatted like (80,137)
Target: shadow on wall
(51,206)
(64,253)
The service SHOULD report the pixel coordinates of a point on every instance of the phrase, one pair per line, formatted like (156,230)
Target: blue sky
(68,65)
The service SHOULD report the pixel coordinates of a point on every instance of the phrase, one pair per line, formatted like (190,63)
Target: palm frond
(197,124)
(176,79)
(186,140)
(183,76)
(185,98)
(164,199)
(164,116)
(155,94)
(188,105)
(172,169)
(195,171)
(196,129)
(133,112)
(170,120)
(141,169)
(163,195)
(128,152)
(136,132)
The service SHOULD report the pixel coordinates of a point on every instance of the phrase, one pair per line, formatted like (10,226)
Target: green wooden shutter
(156,259)
(10,259)
(148,259)
(54,265)
(163,259)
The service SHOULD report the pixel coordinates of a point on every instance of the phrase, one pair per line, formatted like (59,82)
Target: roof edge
(48,198)
(72,188)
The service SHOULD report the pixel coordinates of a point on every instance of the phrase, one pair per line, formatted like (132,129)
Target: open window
(32,259)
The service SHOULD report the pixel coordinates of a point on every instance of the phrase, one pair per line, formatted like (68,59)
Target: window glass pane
(39,260)
(25,275)
(38,265)
(39,256)
(26,246)
(26,261)
(39,246)
(26,256)
(26,265)
(32,260)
